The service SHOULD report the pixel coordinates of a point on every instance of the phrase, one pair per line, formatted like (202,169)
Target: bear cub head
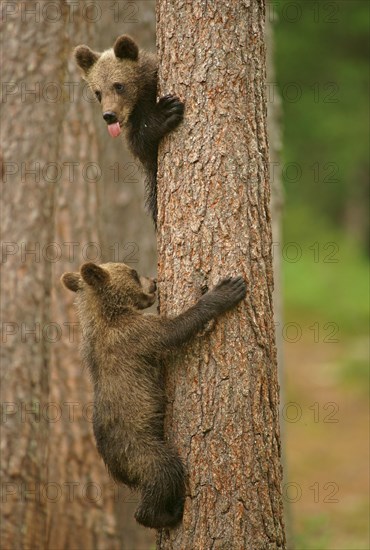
(112,288)
(115,77)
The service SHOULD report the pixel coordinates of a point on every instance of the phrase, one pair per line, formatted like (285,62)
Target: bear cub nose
(110,117)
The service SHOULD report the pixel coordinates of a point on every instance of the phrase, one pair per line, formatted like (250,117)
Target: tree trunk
(56,491)
(34,57)
(277,195)
(113,221)
(83,510)
(274,122)
(214,221)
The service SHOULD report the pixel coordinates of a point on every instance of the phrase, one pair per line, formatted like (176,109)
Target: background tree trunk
(115,224)
(30,140)
(57,493)
(274,122)
(274,117)
(85,507)
(214,221)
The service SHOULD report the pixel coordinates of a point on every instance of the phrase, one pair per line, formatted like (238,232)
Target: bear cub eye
(98,95)
(119,88)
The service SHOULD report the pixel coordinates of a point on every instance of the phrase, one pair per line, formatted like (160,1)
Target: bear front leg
(148,128)
(226,295)
(170,113)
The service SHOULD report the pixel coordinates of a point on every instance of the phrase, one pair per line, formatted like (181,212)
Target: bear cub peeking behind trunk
(124,80)
(124,351)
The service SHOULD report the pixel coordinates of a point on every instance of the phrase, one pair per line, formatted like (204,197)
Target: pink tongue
(114,129)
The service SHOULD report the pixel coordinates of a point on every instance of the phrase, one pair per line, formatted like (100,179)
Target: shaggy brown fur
(124,80)
(124,350)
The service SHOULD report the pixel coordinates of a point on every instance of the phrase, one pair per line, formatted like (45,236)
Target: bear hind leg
(163,494)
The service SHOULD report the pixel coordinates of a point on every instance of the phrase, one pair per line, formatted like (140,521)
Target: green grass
(313,535)
(354,375)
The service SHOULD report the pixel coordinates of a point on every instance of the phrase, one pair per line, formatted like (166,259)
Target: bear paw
(227,293)
(172,111)
(156,519)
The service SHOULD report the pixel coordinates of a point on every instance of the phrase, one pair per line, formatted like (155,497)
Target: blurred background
(321,68)
(317,94)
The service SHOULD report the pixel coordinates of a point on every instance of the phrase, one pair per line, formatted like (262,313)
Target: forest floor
(325,424)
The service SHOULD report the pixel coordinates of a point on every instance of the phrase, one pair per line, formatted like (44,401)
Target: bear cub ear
(126,48)
(71,281)
(94,275)
(85,57)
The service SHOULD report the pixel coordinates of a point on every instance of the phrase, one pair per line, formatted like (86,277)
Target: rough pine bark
(214,221)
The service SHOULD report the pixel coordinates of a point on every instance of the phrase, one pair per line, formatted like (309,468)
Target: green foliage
(322,74)
(326,276)
(354,374)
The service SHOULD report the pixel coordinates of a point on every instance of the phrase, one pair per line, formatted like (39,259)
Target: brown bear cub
(124,80)
(124,351)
